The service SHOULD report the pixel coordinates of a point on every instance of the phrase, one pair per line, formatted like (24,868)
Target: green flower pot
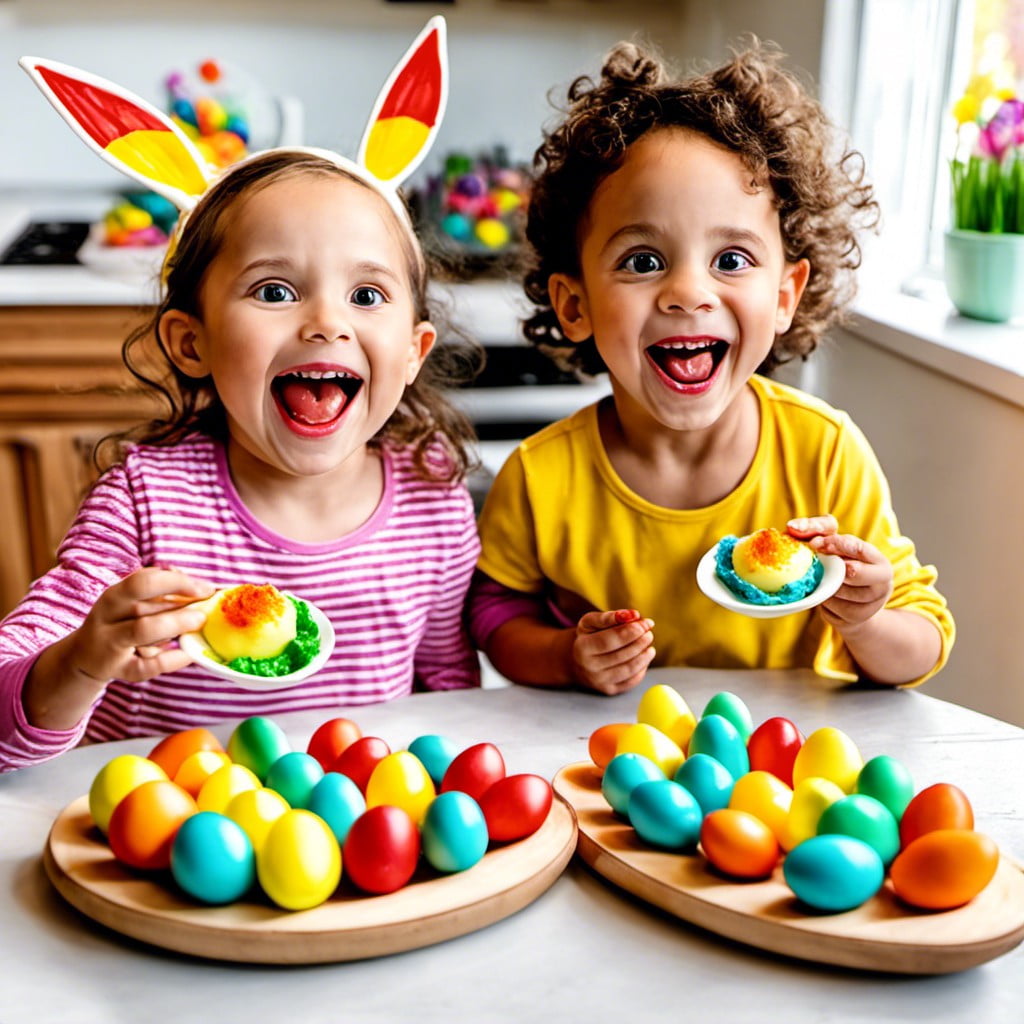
(984,274)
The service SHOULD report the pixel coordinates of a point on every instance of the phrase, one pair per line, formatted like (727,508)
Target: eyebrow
(364,267)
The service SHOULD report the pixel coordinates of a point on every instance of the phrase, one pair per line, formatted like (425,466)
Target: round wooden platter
(349,926)
(883,934)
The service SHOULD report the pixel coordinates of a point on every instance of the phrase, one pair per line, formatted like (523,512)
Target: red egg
(332,739)
(144,824)
(773,747)
(358,760)
(475,770)
(381,850)
(940,806)
(171,751)
(944,868)
(516,806)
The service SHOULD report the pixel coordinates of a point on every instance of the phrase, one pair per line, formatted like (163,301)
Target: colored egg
(828,753)
(115,780)
(223,784)
(766,797)
(435,753)
(516,806)
(664,708)
(474,770)
(401,781)
(729,706)
(773,746)
(944,868)
(454,832)
(172,750)
(810,798)
(492,232)
(652,743)
(331,739)
(707,780)
(623,774)
(299,863)
(145,822)
(254,811)
(664,814)
(738,844)
(888,781)
(339,801)
(359,759)
(457,225)
(833,873)
(294,775)
(940,806)
(717,737)
(212,858)
(257,743)
(866,818)
(603,741)
(198,767)
(381,850)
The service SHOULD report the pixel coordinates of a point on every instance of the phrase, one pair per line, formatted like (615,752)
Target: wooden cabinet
(63,387)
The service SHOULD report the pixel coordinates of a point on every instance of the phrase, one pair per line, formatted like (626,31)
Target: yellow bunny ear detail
(124,130)
(409,109)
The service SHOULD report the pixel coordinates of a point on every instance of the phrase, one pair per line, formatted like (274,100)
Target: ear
(181,334)
(423,338)
(794,280)
(569,302)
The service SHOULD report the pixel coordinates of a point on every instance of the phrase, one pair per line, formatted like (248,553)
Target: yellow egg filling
(769,559)
(250,621)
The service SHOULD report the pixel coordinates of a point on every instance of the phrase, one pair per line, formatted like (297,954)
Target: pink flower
(1004,131)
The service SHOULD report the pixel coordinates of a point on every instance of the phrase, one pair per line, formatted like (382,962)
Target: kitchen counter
(584,951)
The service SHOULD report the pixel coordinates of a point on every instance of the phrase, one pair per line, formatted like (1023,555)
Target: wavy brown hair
(424,416)
(751,106)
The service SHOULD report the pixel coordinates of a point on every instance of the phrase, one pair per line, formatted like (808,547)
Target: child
(688,237)
(304,449)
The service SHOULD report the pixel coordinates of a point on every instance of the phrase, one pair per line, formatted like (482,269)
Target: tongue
(689,370)
(313,401)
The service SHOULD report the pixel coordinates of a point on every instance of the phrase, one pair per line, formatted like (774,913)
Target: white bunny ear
(125,131)
(408,112)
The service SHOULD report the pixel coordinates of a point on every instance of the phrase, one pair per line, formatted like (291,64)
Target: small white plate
(195,645)
(713,587)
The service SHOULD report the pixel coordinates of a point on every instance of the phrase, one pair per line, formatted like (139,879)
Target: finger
(615,638)
(812,526)
(594,622)
(138,668)
(173,584)
(153,630)
(850,548)
(623,676)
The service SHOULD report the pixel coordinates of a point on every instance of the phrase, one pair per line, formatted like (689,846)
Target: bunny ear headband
(144,143)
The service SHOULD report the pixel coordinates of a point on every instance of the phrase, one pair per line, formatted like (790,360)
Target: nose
(688,288)
(326,321)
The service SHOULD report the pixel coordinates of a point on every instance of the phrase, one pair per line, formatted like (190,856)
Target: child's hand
(612,650)
(869,577)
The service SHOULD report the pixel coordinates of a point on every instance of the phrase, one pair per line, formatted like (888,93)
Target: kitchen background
(61,386)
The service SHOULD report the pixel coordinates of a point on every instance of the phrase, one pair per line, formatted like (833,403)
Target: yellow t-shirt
(559,521)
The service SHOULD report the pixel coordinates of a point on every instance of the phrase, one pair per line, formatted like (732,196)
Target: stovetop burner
(47,243)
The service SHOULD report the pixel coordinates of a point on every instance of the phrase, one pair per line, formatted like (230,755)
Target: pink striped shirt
(394,591)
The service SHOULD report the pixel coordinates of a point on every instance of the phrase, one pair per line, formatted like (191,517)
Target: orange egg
(602,743)
(172,750)
(738,844)
(197,768)
(940,806)
(944,868)
(144,824)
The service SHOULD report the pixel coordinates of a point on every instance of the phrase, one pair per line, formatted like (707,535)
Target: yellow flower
(981,87)
(966,108)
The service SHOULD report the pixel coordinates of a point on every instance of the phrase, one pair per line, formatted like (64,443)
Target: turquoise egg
(833,872)
(665,814)
(707,780)
(863,817)
(729,706)
(212,858)
(624,772)
(888,781)
(257,743)
(716,736)
(339,801)
(454,832)
(293,776)
(435,753)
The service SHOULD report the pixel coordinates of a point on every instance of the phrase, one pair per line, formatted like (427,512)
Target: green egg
(731,707)
(257,743)
(888,781)
(716,736)
(865,818)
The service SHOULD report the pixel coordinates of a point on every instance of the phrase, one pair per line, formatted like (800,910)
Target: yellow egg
(223,784)
(766,797)
(198,767)
(811,796)
(769,559)
(663,707)
(641,738)
(828,753)
(492,232)
(299,863)
(115,780)
(250,621)
(255,810)
(400,780)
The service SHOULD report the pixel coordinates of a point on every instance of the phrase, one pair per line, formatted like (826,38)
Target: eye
(731,261)
(368,296)
(274,292)
(642,263)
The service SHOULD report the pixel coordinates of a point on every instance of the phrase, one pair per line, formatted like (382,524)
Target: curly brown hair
(423,417)
(751,106)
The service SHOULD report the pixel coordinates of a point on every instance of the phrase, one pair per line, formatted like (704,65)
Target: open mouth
(315,399)
(688,362)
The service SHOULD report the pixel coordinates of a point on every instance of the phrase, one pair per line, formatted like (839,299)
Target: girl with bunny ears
(308,443)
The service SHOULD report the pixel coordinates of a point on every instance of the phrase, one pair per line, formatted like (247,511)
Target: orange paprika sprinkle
(769,547)
(250,603)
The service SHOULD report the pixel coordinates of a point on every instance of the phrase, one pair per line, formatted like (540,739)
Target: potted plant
(984,252)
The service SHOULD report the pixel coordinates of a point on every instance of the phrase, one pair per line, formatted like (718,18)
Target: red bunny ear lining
(418,92)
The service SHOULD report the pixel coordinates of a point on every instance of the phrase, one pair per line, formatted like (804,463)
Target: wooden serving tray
(883,934)
(349,926)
